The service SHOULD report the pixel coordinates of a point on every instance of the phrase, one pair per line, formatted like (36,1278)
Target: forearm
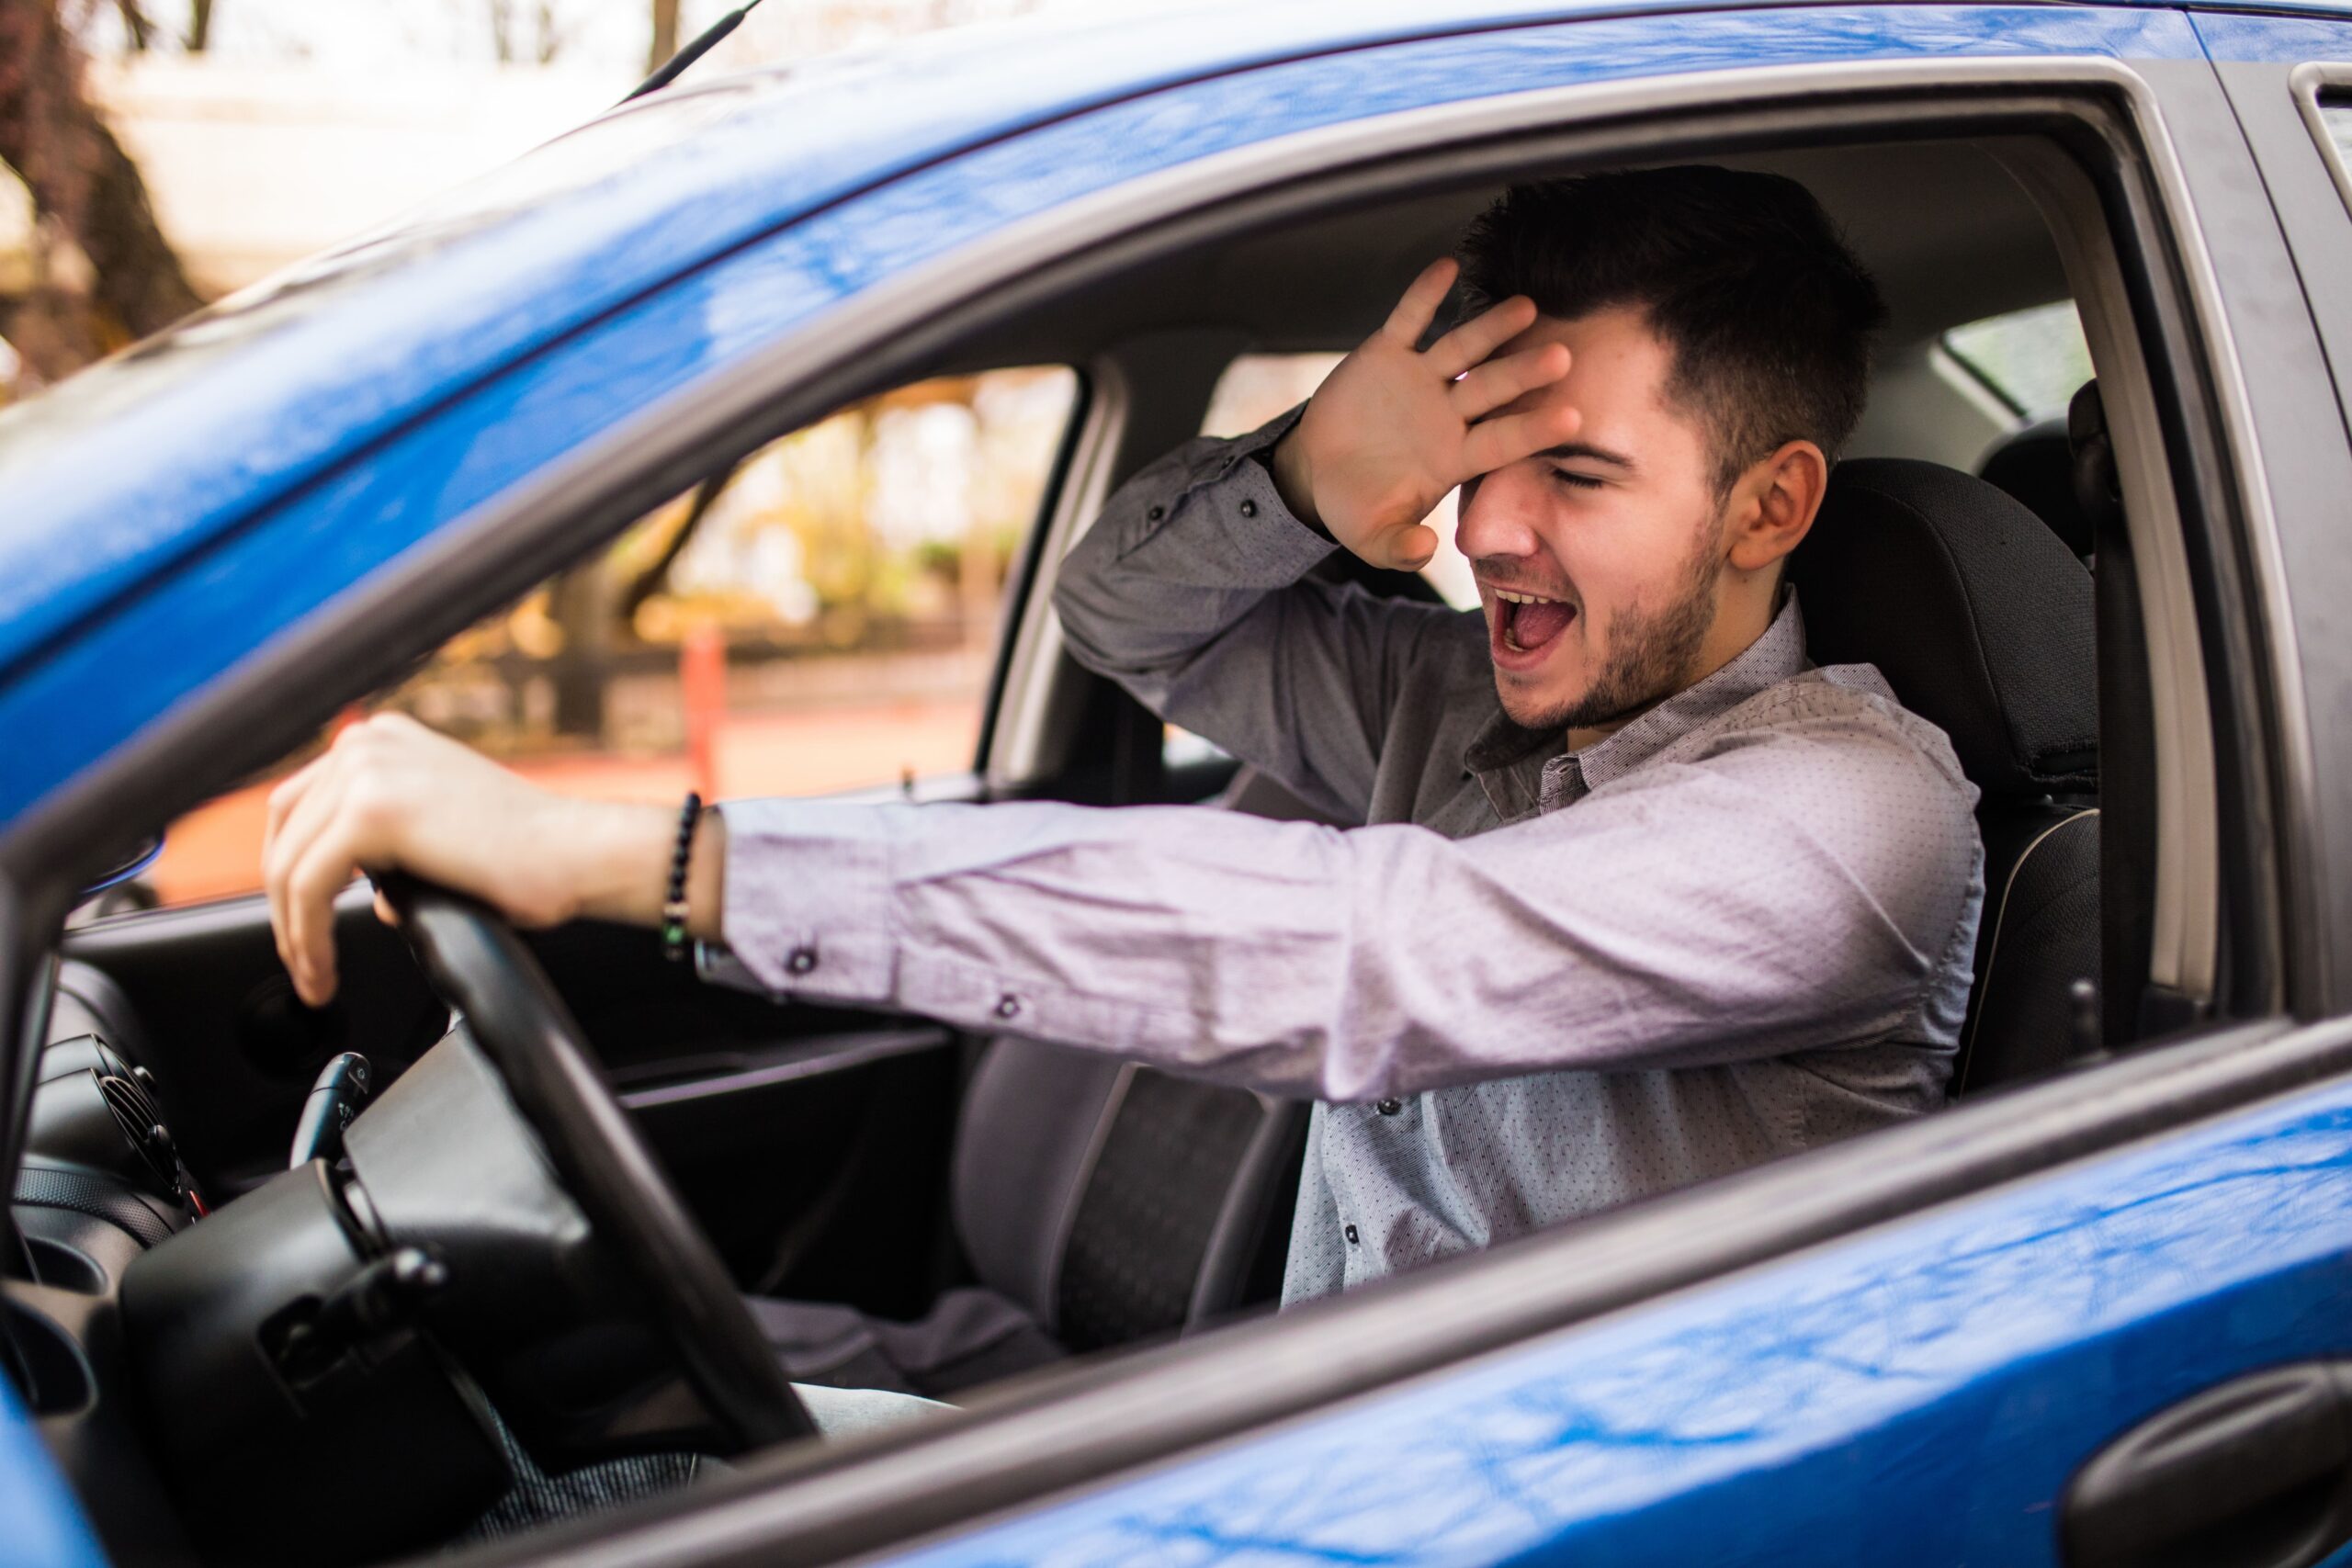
(1178,556)
(1303,959)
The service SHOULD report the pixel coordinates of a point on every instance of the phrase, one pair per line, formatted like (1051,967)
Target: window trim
(2310,82)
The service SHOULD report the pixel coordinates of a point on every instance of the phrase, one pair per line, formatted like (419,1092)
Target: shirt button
(1248,508)
(1389,1107)
(1351,1233)
(1154,514)
(802,960)
(1008,1005)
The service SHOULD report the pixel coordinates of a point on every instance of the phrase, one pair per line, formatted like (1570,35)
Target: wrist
(616,856)
(1294,480)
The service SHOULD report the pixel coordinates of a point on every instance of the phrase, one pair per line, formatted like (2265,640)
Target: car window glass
(824,621)
(2033,359)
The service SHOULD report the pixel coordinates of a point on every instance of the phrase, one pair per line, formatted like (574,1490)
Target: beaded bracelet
(673,907)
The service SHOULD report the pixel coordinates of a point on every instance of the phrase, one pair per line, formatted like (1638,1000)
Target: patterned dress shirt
(1536,984)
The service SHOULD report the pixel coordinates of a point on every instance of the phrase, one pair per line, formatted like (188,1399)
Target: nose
(1498,515)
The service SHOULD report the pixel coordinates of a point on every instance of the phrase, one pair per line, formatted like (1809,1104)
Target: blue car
(2098,1311)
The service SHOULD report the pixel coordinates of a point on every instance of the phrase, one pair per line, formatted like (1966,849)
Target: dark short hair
(1768,314)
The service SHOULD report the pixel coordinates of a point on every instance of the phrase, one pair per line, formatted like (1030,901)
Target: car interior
(904,1206)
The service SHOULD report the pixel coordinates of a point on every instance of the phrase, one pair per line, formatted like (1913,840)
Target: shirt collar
(1509,760)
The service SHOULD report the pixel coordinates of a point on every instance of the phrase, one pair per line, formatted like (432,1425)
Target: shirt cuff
(806,903)
(1252,473)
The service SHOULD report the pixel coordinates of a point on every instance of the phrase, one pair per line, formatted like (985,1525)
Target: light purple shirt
(1537,984)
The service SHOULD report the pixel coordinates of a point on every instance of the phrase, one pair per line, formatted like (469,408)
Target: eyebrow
(1588,450)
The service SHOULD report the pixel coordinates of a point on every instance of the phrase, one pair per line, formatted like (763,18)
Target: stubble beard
(1652,651)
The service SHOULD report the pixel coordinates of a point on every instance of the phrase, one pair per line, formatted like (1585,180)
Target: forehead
(1617,372)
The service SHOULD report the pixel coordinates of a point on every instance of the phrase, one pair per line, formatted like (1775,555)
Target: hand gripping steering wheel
(474,959)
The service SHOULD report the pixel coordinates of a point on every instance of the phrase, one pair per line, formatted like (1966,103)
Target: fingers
(326,867)
(1496,443)
(1498,381)
(1480,336)
(1419,306)
(1409,549)
(286,796)
(301,928)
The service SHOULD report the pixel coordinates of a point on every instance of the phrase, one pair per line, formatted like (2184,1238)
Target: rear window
(2336,127)
(2033,359)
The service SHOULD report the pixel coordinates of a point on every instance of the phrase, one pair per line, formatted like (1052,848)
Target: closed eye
(1582,482)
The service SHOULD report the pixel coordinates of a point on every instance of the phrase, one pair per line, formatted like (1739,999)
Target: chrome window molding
(2307,82)
(2183,941)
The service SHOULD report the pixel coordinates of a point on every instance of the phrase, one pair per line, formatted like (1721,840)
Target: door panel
(1923,1393)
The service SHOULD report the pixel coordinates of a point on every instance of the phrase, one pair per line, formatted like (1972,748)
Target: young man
(1643,897)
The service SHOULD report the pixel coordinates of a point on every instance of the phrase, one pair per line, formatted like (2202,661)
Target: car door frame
(1082,1426)
(2293,195)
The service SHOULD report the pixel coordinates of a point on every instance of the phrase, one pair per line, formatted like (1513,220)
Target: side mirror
(141,857)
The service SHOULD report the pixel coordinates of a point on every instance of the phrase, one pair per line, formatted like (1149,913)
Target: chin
(1535,706)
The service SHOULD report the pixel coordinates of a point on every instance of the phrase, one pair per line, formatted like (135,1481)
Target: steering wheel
(473,958)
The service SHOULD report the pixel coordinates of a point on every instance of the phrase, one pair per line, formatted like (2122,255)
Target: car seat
(1980,616)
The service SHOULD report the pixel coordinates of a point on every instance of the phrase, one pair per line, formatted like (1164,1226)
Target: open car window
(823,619)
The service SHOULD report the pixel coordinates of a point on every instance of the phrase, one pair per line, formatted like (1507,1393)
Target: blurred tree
(546,41)
(135,24)
(109,274)
(665,34)
(199,26)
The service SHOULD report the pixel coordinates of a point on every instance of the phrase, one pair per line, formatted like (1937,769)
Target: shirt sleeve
(1191,591)
(1791,890)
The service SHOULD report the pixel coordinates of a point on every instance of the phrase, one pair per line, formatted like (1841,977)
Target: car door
(2095,1319)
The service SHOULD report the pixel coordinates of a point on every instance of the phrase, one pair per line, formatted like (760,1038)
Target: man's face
(1617,535)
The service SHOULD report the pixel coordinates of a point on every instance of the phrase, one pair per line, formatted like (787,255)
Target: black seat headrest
(2098,490)
(2036,465)
(1975,612)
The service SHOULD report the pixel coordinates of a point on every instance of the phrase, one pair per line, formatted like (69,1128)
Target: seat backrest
(1980,616)
(1114,1202)
(2039,940)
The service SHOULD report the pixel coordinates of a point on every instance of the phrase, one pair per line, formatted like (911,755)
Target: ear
(1773,506)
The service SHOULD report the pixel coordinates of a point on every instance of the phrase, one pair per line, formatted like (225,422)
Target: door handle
(2254,1474)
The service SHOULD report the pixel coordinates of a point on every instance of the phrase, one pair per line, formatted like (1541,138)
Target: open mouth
(1528,622)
